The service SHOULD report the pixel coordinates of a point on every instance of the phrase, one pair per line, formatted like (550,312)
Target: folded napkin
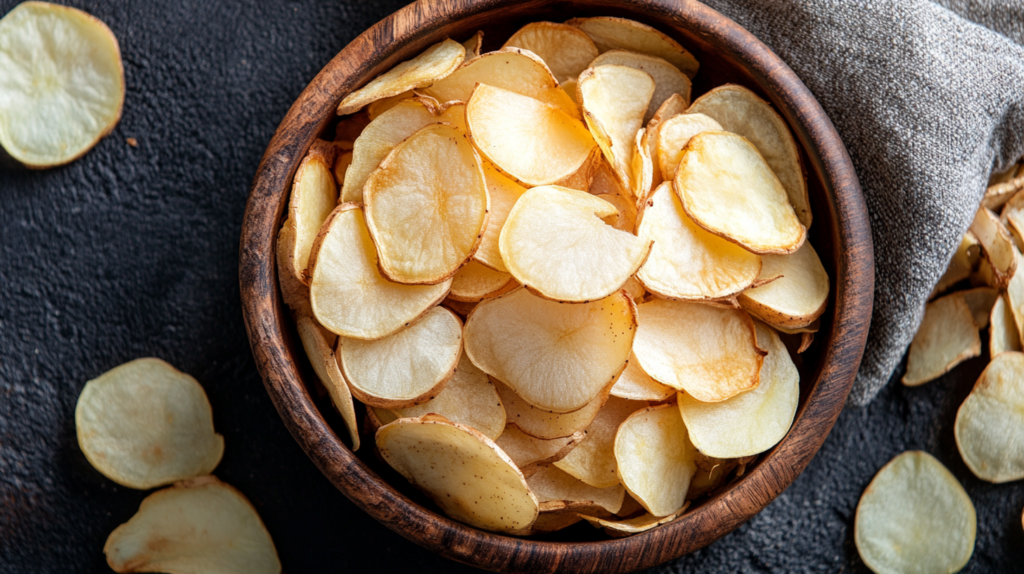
(928,100)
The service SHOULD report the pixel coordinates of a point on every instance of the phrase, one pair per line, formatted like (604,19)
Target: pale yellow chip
(980,301)
(434,63)
(643,168)
(636,385)
(325,364)
(556,357)
(314,196)
(198,525)
(348,295)
(997,247)
(476,281)
(990,423)
(565,49)
(709,352)
(531,141)
(1015,296)
(406,368)
(503,193)
(530,453)
(551,485)
(145,424)
(1002,335)
(798,297)
(472,45)
(751,422)
(947,336)
(543,424)
(625,219)
(655,459)
(668,80)
(377,108)
(674,105)
(294,293)
(673,135)
(915,517)
(741,112)
(634,289)
(619,33)
(462,470)
(963,262)
(593,460)
(687,262)
(629,526)
(1012,217)
(555,244)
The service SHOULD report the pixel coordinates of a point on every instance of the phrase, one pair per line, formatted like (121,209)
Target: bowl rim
(266,317)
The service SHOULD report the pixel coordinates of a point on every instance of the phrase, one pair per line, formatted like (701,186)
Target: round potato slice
(947,336)
(565,49)
(145,424)
(556,245)
(426,206)
(348,295)
(709,352)
(325,364)
(476,281)
(687,262)
(593,460)
(462,470)
(61,83)
(406,368)
(503,194)
(636,385)
(534,142)
(797,297)
(556,357)
(314,196)
(619,33)
(990,423)
(655,459)
(198,525)
(530,453)
(673,135)
(543,424)
(668,79)
(915,517)
(551,484)
(751,422)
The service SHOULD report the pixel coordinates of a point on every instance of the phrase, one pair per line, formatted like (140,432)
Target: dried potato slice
(741,112)
(629,526)
(145,424)
(530,453)
(1015,297)
(325,364)
(655,459)
(348,295)
(797,298)
(634,289)
(706,351)
(593,460)
(294,292)
(377,108)
(752,422)
(314,196)
(727,188)
(462,470)
(426,206)
(997,246)
(668,80)
(503,193)
(341,165)
(583,177)
(947,336)
(433,64)
(671,107)
(980,301)
(706,481)
(472,45)
(565,49)
(625,219)
(543,424)
(556,245)
(687,262)
(551,484)
(643,168)
(556,357)
(673,135)
(1012,216)
(915,517)
(636,385)
(461,308)
(533,142)
(198,525)
(999,193)
(406,368)
(476,281)
(989,426)
(1003,334)
(963,262)
(619,33)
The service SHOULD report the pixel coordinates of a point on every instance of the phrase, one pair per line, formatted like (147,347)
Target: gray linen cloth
(928,100)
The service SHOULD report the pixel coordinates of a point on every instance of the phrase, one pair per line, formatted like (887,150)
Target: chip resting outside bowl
(989,426)
(947,336)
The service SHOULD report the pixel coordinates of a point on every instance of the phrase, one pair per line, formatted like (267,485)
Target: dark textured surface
(133,251)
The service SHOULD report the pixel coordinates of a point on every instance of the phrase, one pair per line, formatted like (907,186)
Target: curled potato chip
(556,245)
(687,262)
(915,517)
(674,105)
(963,262)
(198,525)
(583,177)
(314,196)
(997,247)
(533,142)
(144,424)
(625,219)
(348,295)
(605,182)
(472,45)
(294,292)
(376,108)
(708,352)
(751,422)
(798,297)
(530,453)
(476,281)
(503,193)
(593,460)
(325,364)
(629,526)
(462,470)
(668,80)
(673,135)
(405,368)
(636,385)
(989,426)
(655,459)
(556,357)
(434,63)
(565,49)
(551,484)
(727,188)
(543,424)
(1003,334)
(947,336)
(619,33)
(643,168)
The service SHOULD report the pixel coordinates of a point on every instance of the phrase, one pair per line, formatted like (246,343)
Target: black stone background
(132,252)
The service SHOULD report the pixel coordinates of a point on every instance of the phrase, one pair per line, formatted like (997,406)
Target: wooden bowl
(727,53)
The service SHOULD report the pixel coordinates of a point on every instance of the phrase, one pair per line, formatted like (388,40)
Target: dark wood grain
(727,53)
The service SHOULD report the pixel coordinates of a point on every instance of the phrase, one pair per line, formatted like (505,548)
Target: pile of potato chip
(556,284)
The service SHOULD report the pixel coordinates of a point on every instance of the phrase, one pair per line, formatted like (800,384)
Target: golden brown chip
(472,45)
(947,336)
(434,63)
(668,80)
(314,196)
(998,250)
(630,526)
(673,135)
(565,49)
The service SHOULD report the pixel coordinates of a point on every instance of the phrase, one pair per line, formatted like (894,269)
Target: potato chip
(999,193)
(655,458)
(462,470)
(674,105)
(947,336)
(476,281)
(533,142)
(551,484)
(294,293)
(145,424)
(619,528)
(798,297)
(643,168)
(314,196)
(341,165)
(963,262)
(377,108)
(593,460)
(706,481)
(555,516)
(349,127)
(636,385)
(668,80)
(741,112)
(434,63)
(727,188)
(625,219)
(198,525)
(569,87)
(989,426)
(751,422)
(529,453)
(634,289)
(687,262)
(583,177)
(503,193)
(565,49)
(708,352)
(997,247)
(673,135)
(606,182)
(472,45)
(378,417)
(325,364)
(915,517)
(556,357)
(556,245)
(543,424)
(461,308)
(1003,334)
(980,301)
(619,33)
